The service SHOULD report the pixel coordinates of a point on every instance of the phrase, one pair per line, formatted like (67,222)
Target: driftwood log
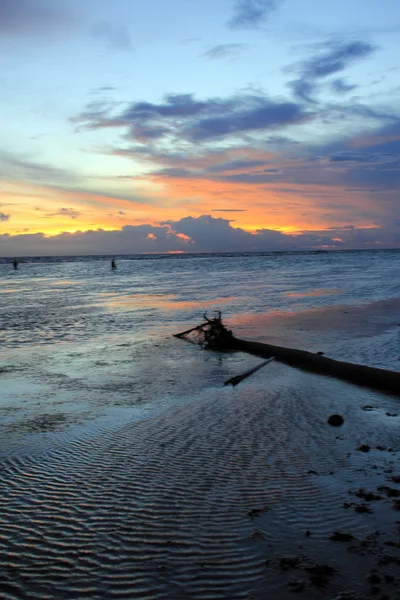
(218,337)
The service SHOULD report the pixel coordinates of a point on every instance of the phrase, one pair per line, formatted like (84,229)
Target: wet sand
(368,334)
(221,493)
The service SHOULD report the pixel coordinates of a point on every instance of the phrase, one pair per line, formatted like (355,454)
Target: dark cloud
(202,234)
(224,50)
(175,106)
(370,162)
(255,178)
(66,212)
(335,57)
(252,13)
(257,115)
(182,117)
(4,217)
(375,164)
(176,173)
(235,165)
(381,115)
(383,141)
(350,156)
(376,178)
(328,59)
(340,86)
(219,169)
(304,89)
(103,89)
(24,17)
(244,173)
(116,36)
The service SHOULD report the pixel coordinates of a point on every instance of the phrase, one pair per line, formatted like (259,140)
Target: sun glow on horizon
(292,210)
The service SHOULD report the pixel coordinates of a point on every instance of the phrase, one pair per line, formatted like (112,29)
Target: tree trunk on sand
(215,336)
(379,379)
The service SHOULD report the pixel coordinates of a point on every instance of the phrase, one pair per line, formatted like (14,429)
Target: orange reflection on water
(311,293)
(241,320)
(165,301)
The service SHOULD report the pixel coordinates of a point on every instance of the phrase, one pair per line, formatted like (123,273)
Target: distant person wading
(113,264)
(15,264)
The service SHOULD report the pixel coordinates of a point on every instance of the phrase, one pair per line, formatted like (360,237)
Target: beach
(128,470)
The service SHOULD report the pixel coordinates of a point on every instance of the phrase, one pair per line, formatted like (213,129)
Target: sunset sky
(198,125)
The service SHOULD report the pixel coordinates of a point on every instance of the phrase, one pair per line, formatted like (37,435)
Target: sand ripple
(190,503)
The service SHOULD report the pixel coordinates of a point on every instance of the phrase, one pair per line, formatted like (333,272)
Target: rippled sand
(233,494)
(127,469)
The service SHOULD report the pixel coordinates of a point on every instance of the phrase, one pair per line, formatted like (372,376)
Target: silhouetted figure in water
(113,264)
(15,264)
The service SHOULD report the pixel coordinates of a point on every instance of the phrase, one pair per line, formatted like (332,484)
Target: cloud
(339,86)
(369,161)
(304,89)
(334,165)
(235,165)
(204,152)
(251,13)
(224,50)
(102,89)
(116,36)
(24,17)
(25,169)
(201,234)
(350,156)
(335,57)
(182,117)
(4,217)
(328,59)
(66,212)
(258,114)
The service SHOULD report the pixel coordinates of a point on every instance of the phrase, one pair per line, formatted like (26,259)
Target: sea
(128,469)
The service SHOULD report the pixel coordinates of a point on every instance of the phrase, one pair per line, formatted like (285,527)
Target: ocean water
(128,470)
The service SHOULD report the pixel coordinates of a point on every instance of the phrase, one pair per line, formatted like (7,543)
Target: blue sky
(261,123)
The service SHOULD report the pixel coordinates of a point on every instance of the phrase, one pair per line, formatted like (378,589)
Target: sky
(198,126)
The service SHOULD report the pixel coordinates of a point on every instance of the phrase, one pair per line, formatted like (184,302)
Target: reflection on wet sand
(315,292)
(163,301)
(365,319)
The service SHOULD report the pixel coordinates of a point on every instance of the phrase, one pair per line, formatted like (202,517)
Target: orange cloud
(280,206)
(276,205)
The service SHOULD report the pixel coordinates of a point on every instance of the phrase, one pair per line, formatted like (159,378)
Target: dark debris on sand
(367,496)
(360,508)
(364,448)
(335,420)
(256,512)
(319,575)
(341,536)
(390,492)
